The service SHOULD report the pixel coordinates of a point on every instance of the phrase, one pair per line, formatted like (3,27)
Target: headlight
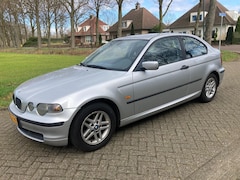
(43,108)
(30,106)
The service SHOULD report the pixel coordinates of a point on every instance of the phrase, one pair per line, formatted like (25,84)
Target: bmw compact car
(123,81)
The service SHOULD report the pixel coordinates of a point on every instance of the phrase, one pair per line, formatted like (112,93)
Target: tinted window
(194,47)
(165,51)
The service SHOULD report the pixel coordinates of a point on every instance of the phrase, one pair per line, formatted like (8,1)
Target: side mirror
(150,65)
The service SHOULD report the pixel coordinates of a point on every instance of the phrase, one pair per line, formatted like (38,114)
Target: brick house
(86,32)
(139,18)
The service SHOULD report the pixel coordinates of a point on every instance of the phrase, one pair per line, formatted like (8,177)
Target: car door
(196,53)
(156,89)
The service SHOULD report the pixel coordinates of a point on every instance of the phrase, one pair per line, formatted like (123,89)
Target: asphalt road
(191,141)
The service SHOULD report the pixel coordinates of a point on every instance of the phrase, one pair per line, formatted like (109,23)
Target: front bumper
(48,129)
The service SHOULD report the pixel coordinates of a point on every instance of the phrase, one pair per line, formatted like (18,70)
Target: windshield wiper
(81,64)
(94,66)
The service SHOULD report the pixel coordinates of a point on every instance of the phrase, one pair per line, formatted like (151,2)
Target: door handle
(184,67)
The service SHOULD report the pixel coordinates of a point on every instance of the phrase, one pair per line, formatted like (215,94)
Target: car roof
(141,36)
(152,35)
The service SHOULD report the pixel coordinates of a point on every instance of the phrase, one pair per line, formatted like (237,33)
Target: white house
(186,23)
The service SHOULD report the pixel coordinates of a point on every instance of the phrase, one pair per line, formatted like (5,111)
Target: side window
(165,51)
(193,47)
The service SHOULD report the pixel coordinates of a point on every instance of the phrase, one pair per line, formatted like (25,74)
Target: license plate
(13,118)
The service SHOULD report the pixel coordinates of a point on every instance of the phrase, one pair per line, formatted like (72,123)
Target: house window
(105,28)
(84,28)
(124,24)
(88,39)
(193,17)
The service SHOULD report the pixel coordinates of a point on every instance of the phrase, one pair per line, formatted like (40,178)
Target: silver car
(123,81)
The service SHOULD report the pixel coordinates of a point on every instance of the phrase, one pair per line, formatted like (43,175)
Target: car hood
(56,85)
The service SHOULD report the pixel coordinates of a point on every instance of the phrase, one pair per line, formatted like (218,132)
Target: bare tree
(4,37)
(33,12)
(210,21)
(30,15)
(23,19)
(37,14)
(71,7)
(96,5)
(162,13)
(48,14)
(60,17)
(198,18)
(11,26)
(120,4)
(169,18)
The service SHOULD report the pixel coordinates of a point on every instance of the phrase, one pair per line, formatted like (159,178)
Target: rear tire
(209,89)
(93,127)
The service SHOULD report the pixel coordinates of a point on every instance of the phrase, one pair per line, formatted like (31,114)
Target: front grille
(18,103)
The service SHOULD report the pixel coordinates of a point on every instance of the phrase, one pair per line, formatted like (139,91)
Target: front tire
(209,89)
(93,127)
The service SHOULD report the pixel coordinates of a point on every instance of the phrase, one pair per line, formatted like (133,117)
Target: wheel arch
(106,101)
(217,76)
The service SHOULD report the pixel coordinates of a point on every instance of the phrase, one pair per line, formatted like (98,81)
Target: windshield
(115,55)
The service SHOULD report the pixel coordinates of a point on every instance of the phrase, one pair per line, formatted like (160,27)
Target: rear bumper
(221,74)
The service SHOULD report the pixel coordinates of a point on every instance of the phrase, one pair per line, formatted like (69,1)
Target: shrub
(236,39)
(31,42)
(229,37)
(238,25)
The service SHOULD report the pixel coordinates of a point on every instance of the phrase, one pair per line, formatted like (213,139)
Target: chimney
(137,6)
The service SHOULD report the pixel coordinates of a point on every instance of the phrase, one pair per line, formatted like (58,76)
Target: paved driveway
(192,141)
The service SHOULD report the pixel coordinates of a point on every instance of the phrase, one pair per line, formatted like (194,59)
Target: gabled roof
(141,18)
(184,21)
(91,24)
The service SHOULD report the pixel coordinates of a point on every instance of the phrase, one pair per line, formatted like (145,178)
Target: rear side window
(193,47)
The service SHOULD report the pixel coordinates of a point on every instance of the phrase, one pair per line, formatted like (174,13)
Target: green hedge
(33,41)
(236,38)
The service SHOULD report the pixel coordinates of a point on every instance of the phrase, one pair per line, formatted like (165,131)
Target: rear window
(193,47)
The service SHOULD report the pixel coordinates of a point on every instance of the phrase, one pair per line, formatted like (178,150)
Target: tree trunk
(38,24)
(210,21)
(72,25)
(160,15)
(97,33)
(198,18)
(119,32)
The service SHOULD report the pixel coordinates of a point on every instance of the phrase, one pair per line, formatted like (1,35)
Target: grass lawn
(229,56)
(17,68)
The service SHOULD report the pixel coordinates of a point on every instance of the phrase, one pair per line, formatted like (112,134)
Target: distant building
(186,23)
(86,32)
(139,19)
